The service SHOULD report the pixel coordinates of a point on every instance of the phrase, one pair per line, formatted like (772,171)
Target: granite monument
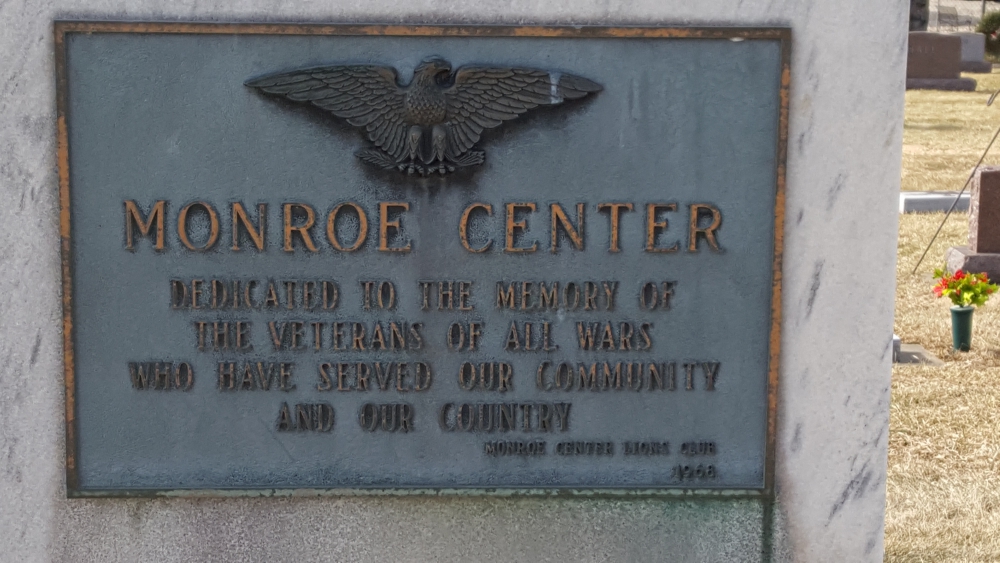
(982,254)
(934,62)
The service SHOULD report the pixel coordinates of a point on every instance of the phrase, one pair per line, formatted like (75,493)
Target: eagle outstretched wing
(366,96)
(483,98)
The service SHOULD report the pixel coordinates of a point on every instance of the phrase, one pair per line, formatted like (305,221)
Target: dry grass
(944,438)
(944,134)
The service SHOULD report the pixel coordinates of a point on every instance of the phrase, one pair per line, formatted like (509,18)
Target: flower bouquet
(966,291)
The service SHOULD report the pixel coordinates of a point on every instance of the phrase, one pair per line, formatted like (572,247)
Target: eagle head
(433,68)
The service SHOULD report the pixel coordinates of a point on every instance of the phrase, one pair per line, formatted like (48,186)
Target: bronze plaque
(358,259)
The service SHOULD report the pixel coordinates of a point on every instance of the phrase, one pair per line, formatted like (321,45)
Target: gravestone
(983,251)
(974,53)
(179,193)
(934,62)
(984,213)
(932,202)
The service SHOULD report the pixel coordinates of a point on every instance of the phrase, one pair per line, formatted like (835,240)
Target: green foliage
(992,50)
(989,24)
(963,288)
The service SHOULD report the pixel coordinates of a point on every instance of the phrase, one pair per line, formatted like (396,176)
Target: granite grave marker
(974,53)
(983,251)
(934,62)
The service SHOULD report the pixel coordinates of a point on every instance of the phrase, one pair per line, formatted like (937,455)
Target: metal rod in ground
(959,196)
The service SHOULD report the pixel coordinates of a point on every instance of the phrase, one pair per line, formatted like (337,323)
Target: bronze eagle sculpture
(432,124)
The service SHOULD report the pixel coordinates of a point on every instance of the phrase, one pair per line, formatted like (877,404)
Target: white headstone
(974,53)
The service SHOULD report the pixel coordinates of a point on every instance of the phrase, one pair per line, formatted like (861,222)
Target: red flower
(964,288)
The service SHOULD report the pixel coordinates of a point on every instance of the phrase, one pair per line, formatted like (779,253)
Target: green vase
(961,328)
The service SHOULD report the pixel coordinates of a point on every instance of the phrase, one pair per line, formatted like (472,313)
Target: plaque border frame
(63,28)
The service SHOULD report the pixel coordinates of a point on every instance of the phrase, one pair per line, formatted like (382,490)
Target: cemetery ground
(946,132)
(944,433)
